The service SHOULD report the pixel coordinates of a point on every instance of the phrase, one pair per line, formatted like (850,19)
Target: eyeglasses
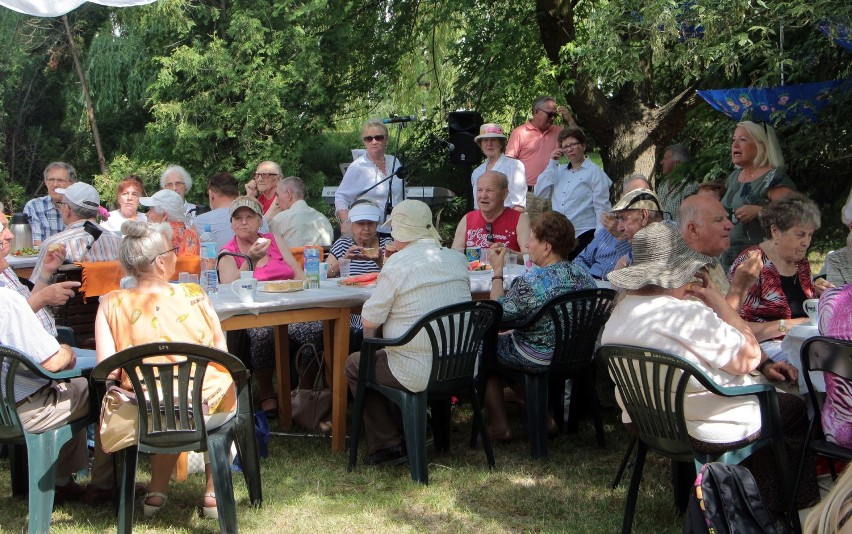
(490,230)
(166,252)
(369,138)
(265,175)
(569,146)
(58,181)
(174,185)
(550,114)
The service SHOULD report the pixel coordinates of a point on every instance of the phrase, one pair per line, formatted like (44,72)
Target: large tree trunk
(629,132)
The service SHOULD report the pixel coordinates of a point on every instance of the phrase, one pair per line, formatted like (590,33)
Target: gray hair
(81,212)
(143,241)
(794,209)
(679,153)
(633,177)
(277,167)
(187,179)
(296,186)
(540,101)
(72,174)
(768,148)
(171,215)
(374,123)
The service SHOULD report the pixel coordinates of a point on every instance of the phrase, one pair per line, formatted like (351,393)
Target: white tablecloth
(26,262)
(792,346)
(328,295)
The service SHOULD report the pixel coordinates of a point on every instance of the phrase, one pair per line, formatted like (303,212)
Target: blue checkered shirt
(44,218)
(600,256)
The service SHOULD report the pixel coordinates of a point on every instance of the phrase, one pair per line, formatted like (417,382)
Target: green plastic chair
(573,357)
(174,428)
(652,385)
(825,355)
(456,333)
(33,456)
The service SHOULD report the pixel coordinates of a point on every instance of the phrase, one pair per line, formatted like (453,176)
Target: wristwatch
(782,326)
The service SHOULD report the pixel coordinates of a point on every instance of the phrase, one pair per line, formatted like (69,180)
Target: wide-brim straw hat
(490,131)
(638,199)
(661,258)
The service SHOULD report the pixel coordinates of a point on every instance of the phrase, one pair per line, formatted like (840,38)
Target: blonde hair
(374,123)
(143,241)
(828,516)
(768,148)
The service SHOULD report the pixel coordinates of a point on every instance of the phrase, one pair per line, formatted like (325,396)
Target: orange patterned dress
(182,313)
(185,239)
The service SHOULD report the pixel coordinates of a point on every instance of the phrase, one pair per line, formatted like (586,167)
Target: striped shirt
(75,239)
(338,250)
(10,279)
(45,220)
(600,256)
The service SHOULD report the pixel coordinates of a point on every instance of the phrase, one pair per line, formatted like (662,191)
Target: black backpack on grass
(725,500)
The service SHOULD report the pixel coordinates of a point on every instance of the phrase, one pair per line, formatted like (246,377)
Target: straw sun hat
(661,258)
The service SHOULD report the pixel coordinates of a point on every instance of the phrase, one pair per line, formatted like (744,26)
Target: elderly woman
(178,180)
(129,191)
(838,263)
(579,190)
(550,242)
(167,206)
(271,260)
(757,180)
(368,170)
(774,302)
(156,310)
(492,142)
(664,308)
(364,248)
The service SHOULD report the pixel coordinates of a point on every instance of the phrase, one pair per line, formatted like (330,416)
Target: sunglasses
(166,252)
(369,138)
(550,114)
(490,230)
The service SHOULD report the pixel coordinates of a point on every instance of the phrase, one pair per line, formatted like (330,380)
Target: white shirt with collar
(580,194)
(302,225)
(363,173)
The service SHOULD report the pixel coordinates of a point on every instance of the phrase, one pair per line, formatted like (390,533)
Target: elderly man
(78,206)
(419,278)
(670,190)
(578,190)
(533,143)
(636,210)
(263,187)
(601,255)
(493,222)
(178,180)
(42,211)
(297,223)
(706,229)
(45,404)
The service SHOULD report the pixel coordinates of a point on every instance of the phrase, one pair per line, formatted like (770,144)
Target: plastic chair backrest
(586,312)
(652,385)
(11,363)
(827,355)
(177,424)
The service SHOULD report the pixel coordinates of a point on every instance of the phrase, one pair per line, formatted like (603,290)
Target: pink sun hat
(490,131)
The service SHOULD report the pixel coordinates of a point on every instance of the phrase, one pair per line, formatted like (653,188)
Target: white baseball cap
(81,194)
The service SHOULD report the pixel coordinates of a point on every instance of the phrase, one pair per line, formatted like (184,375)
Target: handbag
(311,406)
(119,424)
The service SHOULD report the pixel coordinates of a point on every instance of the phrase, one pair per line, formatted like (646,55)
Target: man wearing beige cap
(421,277)
(79,205)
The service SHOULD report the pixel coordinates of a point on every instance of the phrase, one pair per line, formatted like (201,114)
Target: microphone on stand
(395,119)
(443,142)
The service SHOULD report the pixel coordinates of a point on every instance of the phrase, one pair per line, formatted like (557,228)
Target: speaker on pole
(463,127)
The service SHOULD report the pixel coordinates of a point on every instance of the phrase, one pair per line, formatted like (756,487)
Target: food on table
(26,252)
(359,280)
(284,285)
(477,265)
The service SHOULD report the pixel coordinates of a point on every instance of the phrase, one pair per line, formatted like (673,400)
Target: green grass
(306,488)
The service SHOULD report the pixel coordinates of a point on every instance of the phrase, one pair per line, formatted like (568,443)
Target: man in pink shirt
(533,143)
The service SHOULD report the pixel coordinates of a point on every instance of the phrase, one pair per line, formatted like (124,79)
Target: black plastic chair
(826,355)
(176,427)
(578,317)
(32,457)
(652,385)
(456,333)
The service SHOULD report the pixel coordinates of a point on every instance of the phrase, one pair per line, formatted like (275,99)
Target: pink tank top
(275,269)
(504,229)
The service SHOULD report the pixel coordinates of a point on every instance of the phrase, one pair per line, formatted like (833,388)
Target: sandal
(150,510)
(271,413)
(210,512)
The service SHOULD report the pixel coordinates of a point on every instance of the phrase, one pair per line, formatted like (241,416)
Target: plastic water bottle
(209,276)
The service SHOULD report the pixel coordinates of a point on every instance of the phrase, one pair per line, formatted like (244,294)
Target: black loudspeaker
(463,127)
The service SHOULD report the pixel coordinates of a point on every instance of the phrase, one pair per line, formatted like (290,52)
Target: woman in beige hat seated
(671,306)
(492,142)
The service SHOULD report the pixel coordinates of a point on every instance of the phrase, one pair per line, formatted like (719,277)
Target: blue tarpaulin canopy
(770,104)
(837,33)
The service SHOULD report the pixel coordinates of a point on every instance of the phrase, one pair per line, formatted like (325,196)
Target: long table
(23,266)
(331,304)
